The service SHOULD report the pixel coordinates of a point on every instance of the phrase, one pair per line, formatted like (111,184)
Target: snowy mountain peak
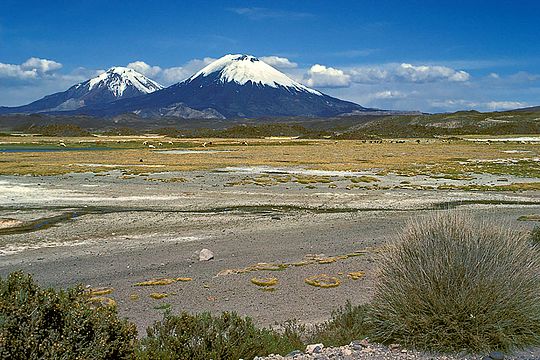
(118,79)
(242,69)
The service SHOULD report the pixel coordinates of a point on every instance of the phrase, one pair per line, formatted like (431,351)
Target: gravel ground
(128,230)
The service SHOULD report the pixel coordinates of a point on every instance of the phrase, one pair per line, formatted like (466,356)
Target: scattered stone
(314,348)
(496,355)
(394,347)
(294,353)
(359,344)
(206,255)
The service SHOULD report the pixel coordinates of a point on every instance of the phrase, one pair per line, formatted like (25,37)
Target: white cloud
(144,68)
(505,105)
(389,94)
(322,76)
(407,73)
(426,73)
(40,65)
(171,75)
(33,68)
(16,72)
(279,62)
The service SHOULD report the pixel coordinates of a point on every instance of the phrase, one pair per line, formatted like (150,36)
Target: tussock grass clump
(452,283)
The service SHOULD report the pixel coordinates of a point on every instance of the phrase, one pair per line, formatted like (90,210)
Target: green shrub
(348,323)
(452,283)
(204,336)
(46,324)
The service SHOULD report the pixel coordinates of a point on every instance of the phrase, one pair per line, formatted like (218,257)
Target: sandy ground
(123,231)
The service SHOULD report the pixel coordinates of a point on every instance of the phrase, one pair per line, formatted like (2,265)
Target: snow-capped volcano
(114,84)
(235,86)
(242,69)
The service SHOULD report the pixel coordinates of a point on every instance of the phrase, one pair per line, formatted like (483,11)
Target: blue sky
(412,55)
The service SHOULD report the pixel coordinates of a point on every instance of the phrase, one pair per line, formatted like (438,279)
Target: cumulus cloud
(425,73)
(322,76)
(40,65)
(171,75)
(407,73)
(33,68)
(144,68)
(279,62)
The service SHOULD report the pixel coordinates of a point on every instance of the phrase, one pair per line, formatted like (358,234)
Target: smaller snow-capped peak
(241,69)
(117,79)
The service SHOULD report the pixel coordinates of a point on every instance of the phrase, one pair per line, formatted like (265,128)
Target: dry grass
(99,291)
(309,259)
(162,281)
(323,281)
(452,283)
(158,296)
(355,275)
(264,282)
(433,157)
(531,217)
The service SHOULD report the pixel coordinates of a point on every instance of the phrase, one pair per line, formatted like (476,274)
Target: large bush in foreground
(452,283)
(40,323)
(205,336)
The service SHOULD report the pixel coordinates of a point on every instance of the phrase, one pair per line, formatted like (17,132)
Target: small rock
(346,352)
(314,348)
(358,344)
(205,255)
(496,355)
(294,353)
(394,347)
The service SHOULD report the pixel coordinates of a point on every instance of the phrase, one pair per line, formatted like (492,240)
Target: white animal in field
(160,144)
(151,146)
(245,143)
(171,143)
(204,144)
(145,143)
(62,144)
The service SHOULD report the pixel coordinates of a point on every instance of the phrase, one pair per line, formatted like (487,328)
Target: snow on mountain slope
(245,68)
(118,79)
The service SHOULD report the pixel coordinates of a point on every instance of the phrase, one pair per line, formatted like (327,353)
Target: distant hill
(344,127)
(531,108)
